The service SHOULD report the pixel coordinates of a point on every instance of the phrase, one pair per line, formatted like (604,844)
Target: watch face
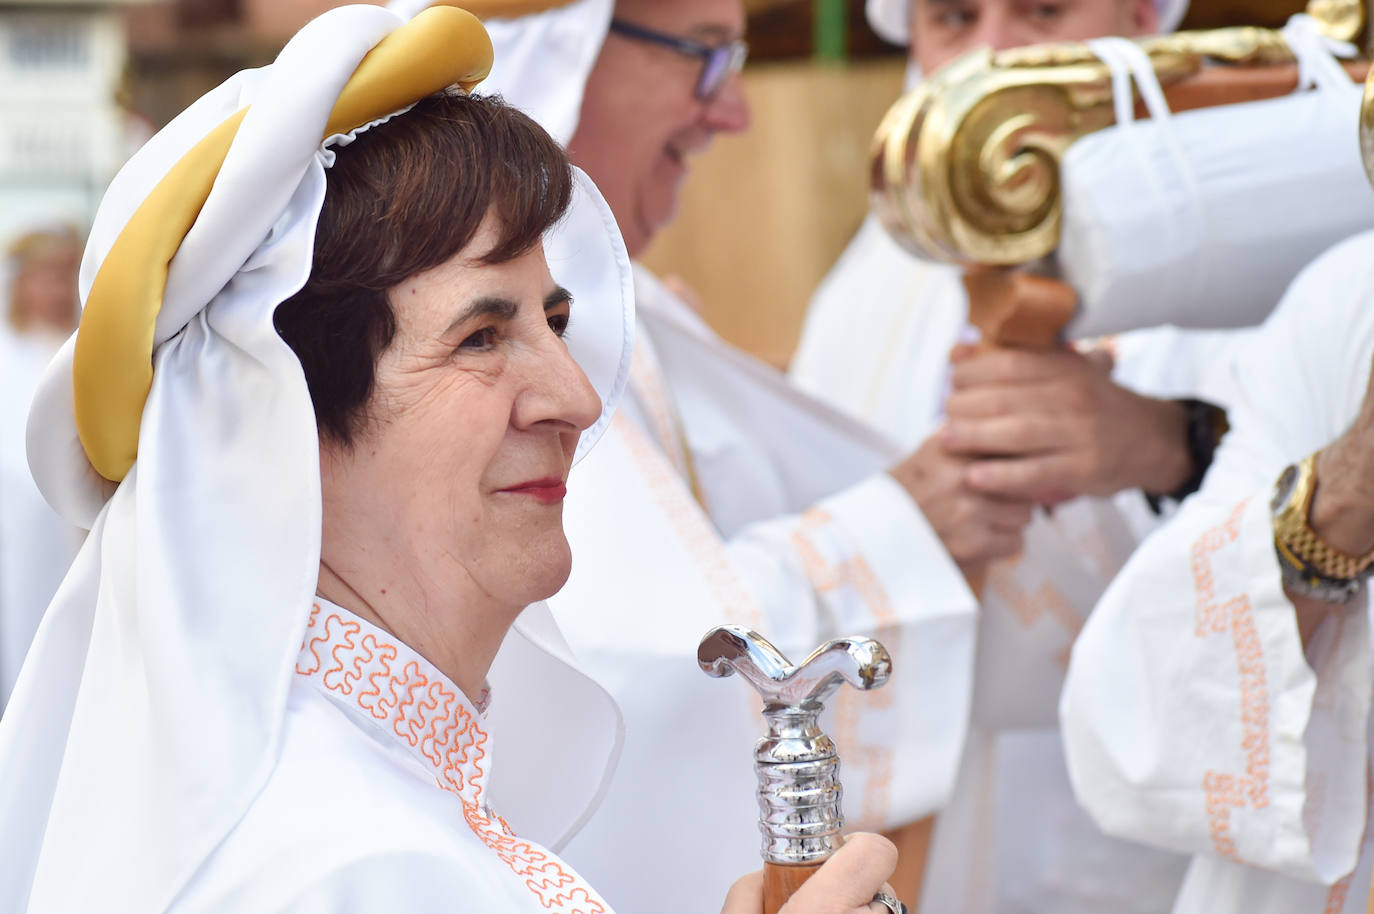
(1283,489)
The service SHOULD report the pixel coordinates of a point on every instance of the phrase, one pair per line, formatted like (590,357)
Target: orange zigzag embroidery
(1224,792)
(432,717)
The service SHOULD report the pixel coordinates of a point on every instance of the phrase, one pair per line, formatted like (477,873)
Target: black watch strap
(1204,426)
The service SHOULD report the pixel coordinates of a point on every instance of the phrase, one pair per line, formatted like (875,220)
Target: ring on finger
(889,902)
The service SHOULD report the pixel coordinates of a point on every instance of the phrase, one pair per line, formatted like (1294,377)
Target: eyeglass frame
(732,54)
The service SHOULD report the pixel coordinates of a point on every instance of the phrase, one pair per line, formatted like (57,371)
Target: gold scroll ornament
(965,168)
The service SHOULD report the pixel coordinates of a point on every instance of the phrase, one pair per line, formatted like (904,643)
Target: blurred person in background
(38,281)
(886,340)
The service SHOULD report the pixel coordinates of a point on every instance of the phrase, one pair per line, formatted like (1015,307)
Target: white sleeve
(1192,719)
(413,882)
(865,561)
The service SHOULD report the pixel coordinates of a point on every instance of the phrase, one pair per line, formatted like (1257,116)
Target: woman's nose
(559,391)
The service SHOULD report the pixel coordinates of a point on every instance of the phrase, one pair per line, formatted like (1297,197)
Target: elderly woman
(318,419)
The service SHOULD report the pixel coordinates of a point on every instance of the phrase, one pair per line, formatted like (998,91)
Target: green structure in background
(830,22)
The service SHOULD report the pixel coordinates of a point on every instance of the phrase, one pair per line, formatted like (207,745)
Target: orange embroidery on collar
(394,685)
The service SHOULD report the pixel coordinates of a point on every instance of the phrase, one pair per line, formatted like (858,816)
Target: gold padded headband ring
(505,9)
(113,359)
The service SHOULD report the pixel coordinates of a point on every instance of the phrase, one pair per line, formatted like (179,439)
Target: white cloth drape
(1228,229)
(1192,718)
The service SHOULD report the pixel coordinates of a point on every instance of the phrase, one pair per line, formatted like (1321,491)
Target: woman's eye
(558,323)
(482,339)
(1046,12)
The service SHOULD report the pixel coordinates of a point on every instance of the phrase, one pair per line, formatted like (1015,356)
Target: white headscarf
(891,19)
(149,713)
(543,59)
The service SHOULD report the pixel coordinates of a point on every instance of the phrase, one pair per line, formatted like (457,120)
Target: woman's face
(459,472)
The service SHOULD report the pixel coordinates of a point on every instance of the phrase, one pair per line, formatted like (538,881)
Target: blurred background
(764,215)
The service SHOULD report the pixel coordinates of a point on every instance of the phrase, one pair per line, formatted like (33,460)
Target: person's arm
(1342,509)
(1205,709)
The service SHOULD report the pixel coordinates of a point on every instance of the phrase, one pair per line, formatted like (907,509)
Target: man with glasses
(663,86)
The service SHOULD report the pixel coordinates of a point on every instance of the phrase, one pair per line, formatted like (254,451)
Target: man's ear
(1142,17)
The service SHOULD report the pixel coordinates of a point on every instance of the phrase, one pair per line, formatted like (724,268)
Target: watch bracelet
(1301,577)
(1305,543)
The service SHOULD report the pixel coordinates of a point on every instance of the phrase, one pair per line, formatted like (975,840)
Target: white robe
(36,546)
(805,538)
(378,798)
(876,344)
(1192,718)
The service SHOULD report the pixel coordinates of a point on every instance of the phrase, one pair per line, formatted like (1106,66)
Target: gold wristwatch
(1309,564)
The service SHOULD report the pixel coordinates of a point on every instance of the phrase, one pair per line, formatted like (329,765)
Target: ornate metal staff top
(798,769)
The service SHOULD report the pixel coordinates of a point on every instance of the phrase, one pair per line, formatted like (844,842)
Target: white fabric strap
(1316,53)
(1128,63)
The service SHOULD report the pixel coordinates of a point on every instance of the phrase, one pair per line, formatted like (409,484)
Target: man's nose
(728,110)
(996,30)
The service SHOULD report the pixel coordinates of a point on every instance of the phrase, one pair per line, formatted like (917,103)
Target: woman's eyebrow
(557,297)
(487,306)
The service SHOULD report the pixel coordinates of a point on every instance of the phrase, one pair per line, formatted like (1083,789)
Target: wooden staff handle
(780,881)
(1213,86)
(1018,310)
(913,847)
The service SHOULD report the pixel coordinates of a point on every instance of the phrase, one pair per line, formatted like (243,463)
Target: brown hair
(405,197)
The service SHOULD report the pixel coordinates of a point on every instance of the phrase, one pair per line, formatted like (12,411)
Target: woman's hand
(845,884)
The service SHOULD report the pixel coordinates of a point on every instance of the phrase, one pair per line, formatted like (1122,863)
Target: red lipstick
(546,491)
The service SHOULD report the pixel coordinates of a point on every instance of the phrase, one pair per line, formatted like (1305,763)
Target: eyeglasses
(718,62)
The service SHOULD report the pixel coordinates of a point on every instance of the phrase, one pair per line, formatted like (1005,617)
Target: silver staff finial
(798,769)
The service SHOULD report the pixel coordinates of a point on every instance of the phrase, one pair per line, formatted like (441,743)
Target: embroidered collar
(363,667)
(371,673)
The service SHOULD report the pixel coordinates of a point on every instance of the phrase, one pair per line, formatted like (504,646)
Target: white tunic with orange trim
(1191,715)
(378,800)
(799,534)
(876,344)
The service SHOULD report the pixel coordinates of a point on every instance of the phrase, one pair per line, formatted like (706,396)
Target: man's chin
(649,224)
